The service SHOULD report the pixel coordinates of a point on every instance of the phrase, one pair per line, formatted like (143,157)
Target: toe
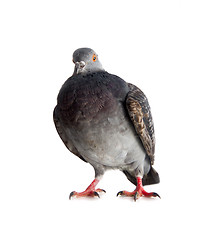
(100,190)
(151,194)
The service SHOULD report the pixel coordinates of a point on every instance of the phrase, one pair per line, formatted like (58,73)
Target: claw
(71,195)
(156,195)
(136,196)
(120,193)
(96,194)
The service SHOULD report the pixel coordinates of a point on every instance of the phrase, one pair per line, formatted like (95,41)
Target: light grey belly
(112,142)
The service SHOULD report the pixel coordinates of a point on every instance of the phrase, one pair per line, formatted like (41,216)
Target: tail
(152,177)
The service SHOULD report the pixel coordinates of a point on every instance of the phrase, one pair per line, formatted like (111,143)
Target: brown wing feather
(140,114)
(63,136)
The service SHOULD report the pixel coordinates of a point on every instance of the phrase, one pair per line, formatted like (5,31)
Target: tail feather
(151,178)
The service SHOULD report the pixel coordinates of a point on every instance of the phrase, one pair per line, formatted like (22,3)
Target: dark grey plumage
(105,121)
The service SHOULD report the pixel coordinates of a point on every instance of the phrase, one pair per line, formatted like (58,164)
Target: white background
(172,50)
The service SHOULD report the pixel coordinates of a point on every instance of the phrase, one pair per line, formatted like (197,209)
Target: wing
(140,114)
(63,136)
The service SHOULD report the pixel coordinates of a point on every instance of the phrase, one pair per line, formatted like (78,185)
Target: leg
(90,191)
(138,192)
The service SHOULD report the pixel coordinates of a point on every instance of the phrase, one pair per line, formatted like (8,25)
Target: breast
(90,97)
(96,122)
(111,142)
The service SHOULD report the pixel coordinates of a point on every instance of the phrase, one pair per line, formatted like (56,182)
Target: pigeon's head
(86,61)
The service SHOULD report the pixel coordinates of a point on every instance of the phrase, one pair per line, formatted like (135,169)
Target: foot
(138,192)
(89,192)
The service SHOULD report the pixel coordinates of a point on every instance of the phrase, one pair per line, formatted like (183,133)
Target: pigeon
(107,123)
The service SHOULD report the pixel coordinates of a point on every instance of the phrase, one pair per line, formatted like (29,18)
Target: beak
(79,66)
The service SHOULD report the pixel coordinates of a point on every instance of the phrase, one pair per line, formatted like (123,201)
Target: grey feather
(63,135)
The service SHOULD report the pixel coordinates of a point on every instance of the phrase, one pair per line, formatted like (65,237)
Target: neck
(86,71)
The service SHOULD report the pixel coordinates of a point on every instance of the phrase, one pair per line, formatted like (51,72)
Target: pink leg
(90,191)
(138,192)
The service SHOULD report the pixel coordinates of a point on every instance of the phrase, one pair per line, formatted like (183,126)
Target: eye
(94,57)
